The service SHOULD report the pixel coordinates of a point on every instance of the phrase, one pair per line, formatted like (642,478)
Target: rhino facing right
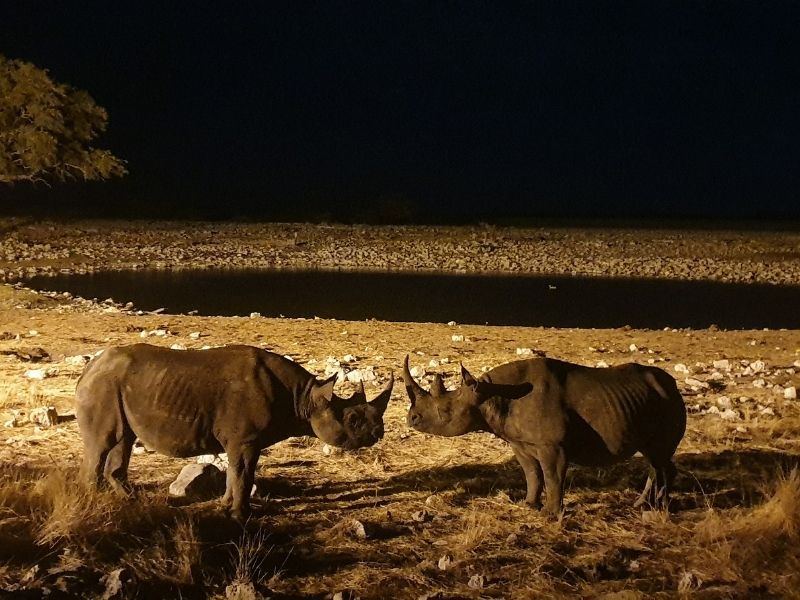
(235,399)
(553,412)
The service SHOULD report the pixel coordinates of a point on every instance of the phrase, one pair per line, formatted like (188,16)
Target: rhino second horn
(413,389)
(437,386)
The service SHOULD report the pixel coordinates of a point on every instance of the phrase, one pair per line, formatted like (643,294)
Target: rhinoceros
(553,412)
(237,399)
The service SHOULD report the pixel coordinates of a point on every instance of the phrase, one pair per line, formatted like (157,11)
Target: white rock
(601,364)
(348,358)
(329,450)
(39,374)
(681,368)
(457,338)
(796,364)
(767,410)
(723,365)
(729,415)
(445,562)
(77,361)
(633,347)
(759,383)
(790,393)
(195,335)
(476,582)
(716,376)
(524,352)
(757,366)
(218,460)
(178,347)
(434,363)
(696,383)
(255,315)
(452,323)
(724,402)
(357,375)
(12,422)
(198,481)
(46,416)
(417,371)
(358,529)
(712,410)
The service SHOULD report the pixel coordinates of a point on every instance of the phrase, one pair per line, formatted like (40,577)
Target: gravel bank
(730,256)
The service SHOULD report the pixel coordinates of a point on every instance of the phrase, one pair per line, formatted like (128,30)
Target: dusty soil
(441,517)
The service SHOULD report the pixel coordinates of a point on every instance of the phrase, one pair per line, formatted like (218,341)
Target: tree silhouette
(46,129)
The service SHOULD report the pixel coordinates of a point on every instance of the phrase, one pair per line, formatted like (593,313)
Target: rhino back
(188,402)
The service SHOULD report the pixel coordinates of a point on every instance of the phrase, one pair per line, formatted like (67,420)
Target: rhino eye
(354,419)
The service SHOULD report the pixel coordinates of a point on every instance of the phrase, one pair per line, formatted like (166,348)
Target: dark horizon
(425,112)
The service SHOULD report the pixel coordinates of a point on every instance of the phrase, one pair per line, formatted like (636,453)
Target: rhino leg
(553,460)
(242,462)
(658,495)
(533,476)
(116,464)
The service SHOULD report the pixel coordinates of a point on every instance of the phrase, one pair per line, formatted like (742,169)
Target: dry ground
(441,517)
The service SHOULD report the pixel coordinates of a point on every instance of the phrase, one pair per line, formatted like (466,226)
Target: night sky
(429,110)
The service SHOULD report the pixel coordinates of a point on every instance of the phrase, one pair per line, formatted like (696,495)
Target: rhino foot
(533,504)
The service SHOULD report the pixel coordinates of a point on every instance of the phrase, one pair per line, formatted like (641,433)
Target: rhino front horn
(413,389)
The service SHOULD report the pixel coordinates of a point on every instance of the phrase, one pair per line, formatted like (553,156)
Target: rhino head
(347,422)
(441,412)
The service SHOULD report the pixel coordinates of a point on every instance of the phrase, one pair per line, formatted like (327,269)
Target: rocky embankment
(732,256)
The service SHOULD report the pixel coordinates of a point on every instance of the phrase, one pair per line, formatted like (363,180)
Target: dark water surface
(496,300)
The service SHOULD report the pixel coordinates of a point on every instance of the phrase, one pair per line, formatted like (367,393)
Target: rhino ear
(382,400)
(437,386)
(467,378)
(324,390)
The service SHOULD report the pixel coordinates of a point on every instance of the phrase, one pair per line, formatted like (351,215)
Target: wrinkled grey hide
(234,399)
(552,412)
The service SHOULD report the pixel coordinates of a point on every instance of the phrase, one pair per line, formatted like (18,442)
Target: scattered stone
(633,348)
(759,383)
(476,582)
(724,402)
(421,516)
(512,539)
(524,352)
(255,315)
(218,460)
(790,393)
(45,416)
(78,360)
(729,415)
(195,335)
(457,338)
(329,450)
(358,530)
(452,323)
(11,423)
(723,365)
(681,368)
(357,375)
(696,383)
(417,371)
(766,411)
(198,482)
(348,358)
(39,374)
(602,364)
(445,562)
(345,595)
(178,347)
(434,363)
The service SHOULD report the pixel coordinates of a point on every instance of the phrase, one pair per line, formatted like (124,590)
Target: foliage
(46,129)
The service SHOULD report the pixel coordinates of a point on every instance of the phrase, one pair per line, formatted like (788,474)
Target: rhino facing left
(234,399)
